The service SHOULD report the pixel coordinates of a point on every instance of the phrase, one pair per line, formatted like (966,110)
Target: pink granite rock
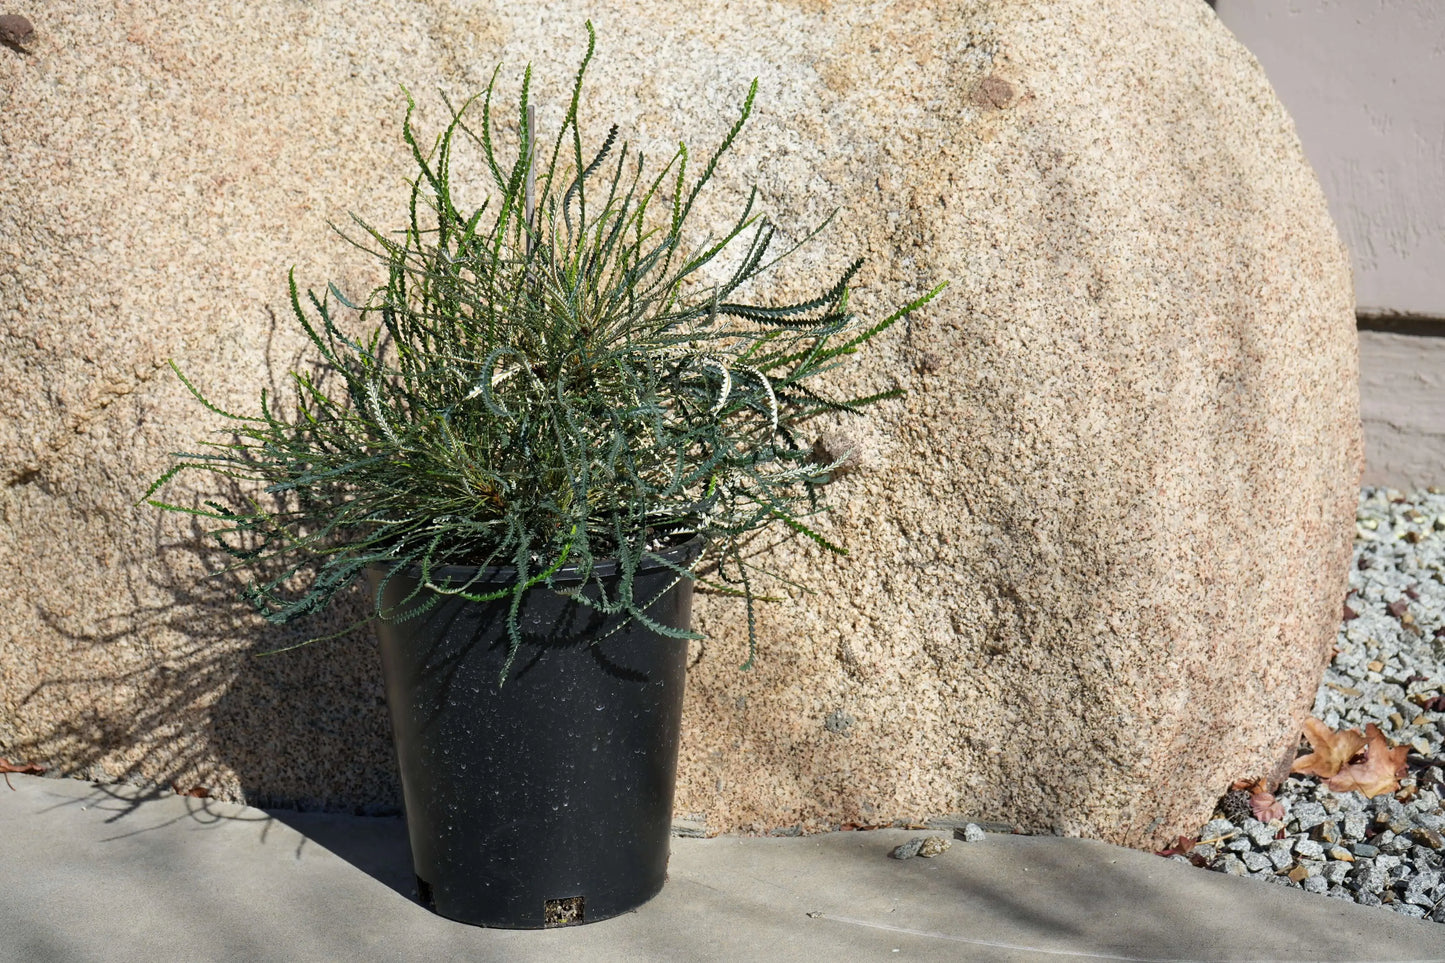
(1098,552)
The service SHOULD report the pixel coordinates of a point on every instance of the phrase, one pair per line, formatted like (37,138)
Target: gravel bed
(1389,670)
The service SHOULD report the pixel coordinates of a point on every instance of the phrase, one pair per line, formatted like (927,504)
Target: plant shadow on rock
(205,710)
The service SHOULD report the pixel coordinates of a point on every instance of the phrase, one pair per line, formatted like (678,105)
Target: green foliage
(538,393)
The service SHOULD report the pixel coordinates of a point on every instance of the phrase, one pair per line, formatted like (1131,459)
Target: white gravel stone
(1256,862)
(1420,888)
(1216,828)
(1354,825)
(1233,866)
(1262,834)
(1435,821)
(1352,802)
(1401,861)
(1308,815)
(1367,878)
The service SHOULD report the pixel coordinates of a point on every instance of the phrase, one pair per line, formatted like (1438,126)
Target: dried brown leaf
(1378,773)
(1182,847)
(1332,750)
(1265,807)
(25,768)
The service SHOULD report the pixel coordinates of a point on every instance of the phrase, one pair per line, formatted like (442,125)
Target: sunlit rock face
(1097,552)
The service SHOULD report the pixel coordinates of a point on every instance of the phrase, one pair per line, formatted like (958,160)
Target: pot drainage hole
(563,912)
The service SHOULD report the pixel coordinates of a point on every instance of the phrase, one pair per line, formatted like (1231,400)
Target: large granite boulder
(1098,553)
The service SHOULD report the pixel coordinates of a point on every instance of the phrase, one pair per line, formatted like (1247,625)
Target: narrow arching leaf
(538,397)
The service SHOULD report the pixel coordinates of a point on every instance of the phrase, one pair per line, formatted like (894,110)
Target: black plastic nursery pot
(544,800)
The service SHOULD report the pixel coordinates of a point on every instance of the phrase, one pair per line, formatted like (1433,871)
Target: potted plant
(548,424)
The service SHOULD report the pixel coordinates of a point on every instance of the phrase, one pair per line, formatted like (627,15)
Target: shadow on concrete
(375,845)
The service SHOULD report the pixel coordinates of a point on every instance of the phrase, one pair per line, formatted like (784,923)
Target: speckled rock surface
(1097,554)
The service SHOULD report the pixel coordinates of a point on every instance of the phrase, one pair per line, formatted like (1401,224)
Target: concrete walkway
(94,873)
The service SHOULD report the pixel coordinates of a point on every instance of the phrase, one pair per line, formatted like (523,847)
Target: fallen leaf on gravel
(200,792)
(1332,750)
(1265,807)
(1379,772)
(1350,613)
(1430,703)
(1398,608)
(1181,846)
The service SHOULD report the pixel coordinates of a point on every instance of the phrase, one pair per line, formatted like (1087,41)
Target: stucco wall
(1364,81)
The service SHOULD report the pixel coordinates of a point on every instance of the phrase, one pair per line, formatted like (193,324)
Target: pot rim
(682,554)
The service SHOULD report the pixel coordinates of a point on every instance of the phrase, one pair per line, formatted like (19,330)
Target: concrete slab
(97,873)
